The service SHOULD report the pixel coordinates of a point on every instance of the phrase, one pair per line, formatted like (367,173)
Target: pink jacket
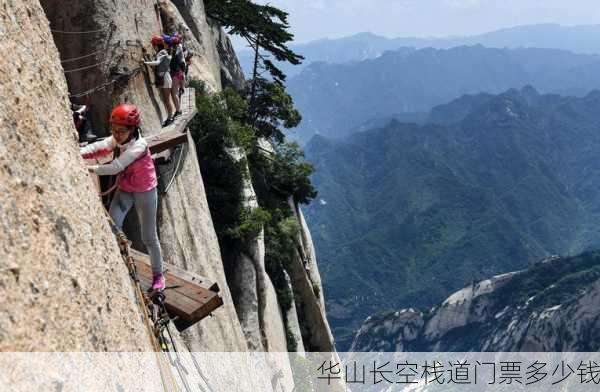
(135,165)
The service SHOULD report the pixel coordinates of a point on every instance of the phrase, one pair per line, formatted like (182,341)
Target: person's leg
(166,95)
(175,94)
(167,91)
(119,206)
(146,204)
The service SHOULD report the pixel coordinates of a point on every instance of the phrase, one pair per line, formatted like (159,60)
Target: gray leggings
(145,205)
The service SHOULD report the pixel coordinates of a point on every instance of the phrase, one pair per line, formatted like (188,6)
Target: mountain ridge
(334,98)
(412,210)
(546,307)
(578,39)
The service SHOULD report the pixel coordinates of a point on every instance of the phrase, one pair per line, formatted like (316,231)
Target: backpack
(177,61)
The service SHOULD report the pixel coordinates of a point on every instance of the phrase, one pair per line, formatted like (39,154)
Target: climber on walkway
(188,54)
(136,181)
(83,121)
(177,70)
(162,77)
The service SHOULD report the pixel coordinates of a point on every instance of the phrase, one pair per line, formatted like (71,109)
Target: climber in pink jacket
(136,181)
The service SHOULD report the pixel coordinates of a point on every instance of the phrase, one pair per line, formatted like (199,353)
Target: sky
(317,19)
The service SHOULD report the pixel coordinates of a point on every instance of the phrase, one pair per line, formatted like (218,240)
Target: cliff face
(62,280)
(58,254)
(551,306)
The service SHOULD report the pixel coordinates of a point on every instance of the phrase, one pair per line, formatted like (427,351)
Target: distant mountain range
(363,46)
(335,99)
(409,213)
(552,306)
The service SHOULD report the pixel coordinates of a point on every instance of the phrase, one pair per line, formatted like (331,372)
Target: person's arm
(153,63)
(98,149)
(159,59)
(125,159)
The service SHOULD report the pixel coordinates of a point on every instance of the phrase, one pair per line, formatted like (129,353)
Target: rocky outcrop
(551,306)
(293,323)
(185,227)
(308,290)
(63,283)
(256,300)
(59,256)
(114,35)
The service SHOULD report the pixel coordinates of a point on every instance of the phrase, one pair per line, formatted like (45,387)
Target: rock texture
(256,300)
(59,257)
(308,291)
(551,306)
(63,283)
(293,323)
(116,33)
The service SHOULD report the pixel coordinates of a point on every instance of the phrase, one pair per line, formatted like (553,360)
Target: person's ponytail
(135,135)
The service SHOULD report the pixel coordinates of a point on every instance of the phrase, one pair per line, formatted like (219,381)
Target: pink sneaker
(158,282)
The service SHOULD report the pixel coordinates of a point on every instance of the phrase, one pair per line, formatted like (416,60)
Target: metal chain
(159,317)
(81,57)
(106,84)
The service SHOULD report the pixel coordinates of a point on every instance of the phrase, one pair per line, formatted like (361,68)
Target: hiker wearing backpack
(136,179)
(162,76)
(177,70)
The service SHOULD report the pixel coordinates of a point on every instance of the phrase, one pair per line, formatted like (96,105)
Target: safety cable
(106,84)
(87,67)
(78,32)
(143,302)
(93,90)
(111,26)
(81,57)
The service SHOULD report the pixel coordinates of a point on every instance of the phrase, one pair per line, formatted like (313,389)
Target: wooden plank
(193,292)
(166,140)
(180,305)
(189,110)
(180,272)
(186,299)
(177,305)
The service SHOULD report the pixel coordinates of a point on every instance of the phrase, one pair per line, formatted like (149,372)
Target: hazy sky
(314,19)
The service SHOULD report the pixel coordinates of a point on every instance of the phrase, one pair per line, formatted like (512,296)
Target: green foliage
(292,174)
(551,283)
(280,250)
(292,344)
(417,212)
(251,223)
(198,85)
(220,121)
(220,128)
(281,175)
(316,290)
(215,130)
(264,26)
(272,109)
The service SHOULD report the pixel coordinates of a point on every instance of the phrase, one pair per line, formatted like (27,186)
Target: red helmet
(125,114)
(176,39)
(157,39)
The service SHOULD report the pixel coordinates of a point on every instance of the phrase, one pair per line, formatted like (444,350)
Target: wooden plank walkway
(188,110)
(165,141)
(175,133)
(189,297)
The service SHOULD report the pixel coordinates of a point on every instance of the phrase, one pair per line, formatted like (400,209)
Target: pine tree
(266,29)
